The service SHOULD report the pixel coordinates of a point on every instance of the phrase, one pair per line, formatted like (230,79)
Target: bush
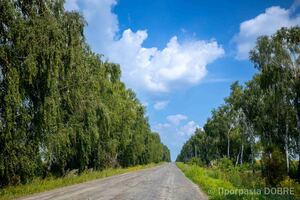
(273,167)
(244,167)
(195,161)
(214,173)
(293,169)
(290,183)
(224,164)
(213,181)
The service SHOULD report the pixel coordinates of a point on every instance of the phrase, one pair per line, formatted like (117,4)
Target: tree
(260,119)
(277,58)
(61,106)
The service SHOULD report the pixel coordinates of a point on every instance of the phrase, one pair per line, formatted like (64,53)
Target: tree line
(259,121)
(61,106)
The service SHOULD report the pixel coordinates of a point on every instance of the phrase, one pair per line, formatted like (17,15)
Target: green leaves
(262,118)
(62,107)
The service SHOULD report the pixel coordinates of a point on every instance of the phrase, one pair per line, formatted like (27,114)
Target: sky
(180,56)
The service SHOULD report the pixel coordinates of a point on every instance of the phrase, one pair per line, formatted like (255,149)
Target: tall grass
(242,183)
(41,185)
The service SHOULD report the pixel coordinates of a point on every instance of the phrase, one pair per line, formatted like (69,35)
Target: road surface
(161,182)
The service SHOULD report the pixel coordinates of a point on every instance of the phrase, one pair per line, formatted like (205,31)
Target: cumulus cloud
(264,24)
(189,128)
(176,119)
(173,125)
(159,105)
(177,65)
(174,133)
(161,126)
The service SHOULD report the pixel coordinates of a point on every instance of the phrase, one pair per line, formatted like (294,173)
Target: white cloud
(188,129)
(174,135)
(159,105)
(176,119)
(161,126)
(178,64)
(264,24)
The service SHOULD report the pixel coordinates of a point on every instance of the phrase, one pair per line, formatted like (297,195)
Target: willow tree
(61,106)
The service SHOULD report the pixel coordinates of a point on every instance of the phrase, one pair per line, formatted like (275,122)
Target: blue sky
(181,56)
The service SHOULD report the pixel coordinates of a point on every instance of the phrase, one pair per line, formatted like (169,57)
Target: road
(161,182)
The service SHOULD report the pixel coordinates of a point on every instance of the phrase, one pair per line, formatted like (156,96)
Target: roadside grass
(243,184)
(49,183)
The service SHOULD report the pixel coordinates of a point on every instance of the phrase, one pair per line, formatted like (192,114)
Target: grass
(41,185)
(243,184)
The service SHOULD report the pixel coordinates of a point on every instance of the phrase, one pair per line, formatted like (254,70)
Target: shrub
(214,173)
(273,167)
(290,183)
(213,181)
(224,164)
(195,161)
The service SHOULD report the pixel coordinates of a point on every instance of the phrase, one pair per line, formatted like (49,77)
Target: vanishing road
(162,182)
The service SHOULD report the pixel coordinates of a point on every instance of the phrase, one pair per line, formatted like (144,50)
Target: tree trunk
(287,160)
(297,107)
(228,146)
(228,143)
(286,146)
(242,154)
(252,160)
(237,159)
(252,142)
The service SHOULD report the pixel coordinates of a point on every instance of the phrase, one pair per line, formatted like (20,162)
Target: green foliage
(195,161)
(224,164)
(260,119)
(209,184)
(215,182)
(61,106)
(273,167)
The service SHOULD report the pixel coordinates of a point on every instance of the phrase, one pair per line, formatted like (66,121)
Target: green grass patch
(41,185)
(219,183)
(210,184)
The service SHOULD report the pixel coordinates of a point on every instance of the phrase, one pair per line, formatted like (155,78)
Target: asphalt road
(162,182)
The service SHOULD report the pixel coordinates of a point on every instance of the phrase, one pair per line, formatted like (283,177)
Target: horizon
(146,38)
